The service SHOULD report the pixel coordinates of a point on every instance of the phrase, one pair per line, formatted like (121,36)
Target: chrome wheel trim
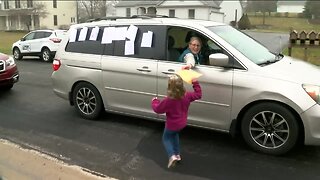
(269,129)
(16,54)
(86,101)
(46,55)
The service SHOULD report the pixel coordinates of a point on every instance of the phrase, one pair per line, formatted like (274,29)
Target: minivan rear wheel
(87,100)
(270,128)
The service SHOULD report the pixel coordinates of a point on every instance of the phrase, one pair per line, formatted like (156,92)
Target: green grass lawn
(7,39)
(282,24)
(286,24)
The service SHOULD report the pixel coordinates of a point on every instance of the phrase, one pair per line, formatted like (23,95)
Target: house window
(191,14)
(55,20)
(172,13)
(29,3)
(152,11)
(54,3)
(17,3)
(73,19)
(6,4)
(128,12)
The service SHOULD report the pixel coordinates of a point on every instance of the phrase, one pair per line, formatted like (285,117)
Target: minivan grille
(2,65)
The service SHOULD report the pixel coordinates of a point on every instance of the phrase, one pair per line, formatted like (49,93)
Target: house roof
(127,3)
(137,3)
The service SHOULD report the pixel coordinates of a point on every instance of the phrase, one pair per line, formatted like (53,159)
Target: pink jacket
(177,109)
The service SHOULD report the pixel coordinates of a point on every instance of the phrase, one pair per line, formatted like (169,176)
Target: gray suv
(118,65)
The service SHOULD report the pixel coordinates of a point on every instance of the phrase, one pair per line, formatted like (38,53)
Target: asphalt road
(275,42)
(130,148)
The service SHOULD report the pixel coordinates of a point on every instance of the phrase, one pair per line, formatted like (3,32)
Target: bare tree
(93,9)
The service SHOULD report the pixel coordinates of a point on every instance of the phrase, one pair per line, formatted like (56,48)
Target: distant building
(24,14)
(221,11)
(291,6)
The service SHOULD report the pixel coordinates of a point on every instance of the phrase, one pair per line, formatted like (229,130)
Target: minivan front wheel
(87,100)
(270,128)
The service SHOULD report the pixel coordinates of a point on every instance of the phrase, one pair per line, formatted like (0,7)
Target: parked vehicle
(119,65)
(42,43)
(9,73)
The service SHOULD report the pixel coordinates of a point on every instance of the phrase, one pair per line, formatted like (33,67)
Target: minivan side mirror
(23,39)
(219,59)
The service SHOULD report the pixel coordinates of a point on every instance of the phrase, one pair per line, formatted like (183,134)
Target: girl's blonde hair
(175,90)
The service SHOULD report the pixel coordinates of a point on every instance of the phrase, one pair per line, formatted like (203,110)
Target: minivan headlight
(10,61)
(313,91)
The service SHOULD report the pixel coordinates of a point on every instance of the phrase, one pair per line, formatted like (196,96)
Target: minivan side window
(157,49)
(179,37)
(87,46)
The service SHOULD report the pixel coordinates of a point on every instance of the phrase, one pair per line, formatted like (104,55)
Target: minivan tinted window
(157,49)
(87,46)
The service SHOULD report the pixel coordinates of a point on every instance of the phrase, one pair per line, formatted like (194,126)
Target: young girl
(176,106)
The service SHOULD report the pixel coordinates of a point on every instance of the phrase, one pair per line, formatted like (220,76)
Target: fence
(303,40)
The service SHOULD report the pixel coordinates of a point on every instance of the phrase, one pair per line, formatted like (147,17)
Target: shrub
(244,22)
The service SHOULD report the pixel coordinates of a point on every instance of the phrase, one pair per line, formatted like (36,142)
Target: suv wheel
(270,128)
(46,55)
(87,100)
(17,54)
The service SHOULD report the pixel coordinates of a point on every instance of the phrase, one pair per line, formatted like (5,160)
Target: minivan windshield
(253,50)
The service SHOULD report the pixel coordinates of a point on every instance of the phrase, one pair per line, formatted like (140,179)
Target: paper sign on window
(72,35)
(132,32)
(129,48)
(107,35)
(94,34)
(119,34)
(83,34)
(147,39)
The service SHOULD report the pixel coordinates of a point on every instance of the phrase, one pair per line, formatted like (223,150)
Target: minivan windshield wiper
(267,62)
(277,58)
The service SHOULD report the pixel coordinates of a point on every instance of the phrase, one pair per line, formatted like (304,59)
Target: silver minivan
(118,65)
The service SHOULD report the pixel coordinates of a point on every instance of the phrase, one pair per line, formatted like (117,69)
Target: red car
(9,73)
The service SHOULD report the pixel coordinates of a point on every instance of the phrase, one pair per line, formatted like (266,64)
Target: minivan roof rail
(148,16)
(114,18)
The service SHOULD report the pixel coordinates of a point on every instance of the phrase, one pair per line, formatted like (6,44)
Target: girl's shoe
(178,157)
(172,161)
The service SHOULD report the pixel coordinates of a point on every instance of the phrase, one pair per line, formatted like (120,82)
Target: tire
(7,87)
(270,128)
(87,101)
(16,54)
(46,55)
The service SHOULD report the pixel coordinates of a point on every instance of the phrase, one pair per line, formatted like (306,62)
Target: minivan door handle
(144,69)
(169,71)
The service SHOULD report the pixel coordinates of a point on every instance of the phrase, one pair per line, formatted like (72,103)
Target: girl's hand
(194,80)
(155,98)
(186,67)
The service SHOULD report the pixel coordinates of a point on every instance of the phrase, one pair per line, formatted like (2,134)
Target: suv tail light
(56,64)
(55,40)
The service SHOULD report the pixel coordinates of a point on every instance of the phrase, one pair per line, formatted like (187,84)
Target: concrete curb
(19,163)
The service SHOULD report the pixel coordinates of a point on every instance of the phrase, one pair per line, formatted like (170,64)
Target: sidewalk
(24,164)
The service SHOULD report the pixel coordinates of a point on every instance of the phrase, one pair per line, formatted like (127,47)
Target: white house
(18,14)
(291,6)
(221,11)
